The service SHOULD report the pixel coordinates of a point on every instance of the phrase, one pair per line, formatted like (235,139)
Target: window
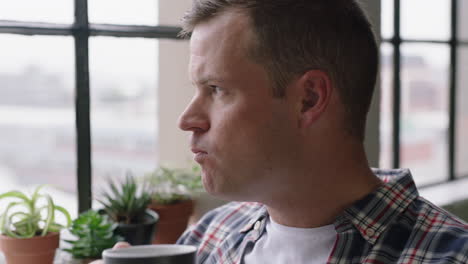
(423,60)
(79,96)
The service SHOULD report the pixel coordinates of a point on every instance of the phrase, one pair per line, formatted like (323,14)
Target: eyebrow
(207,79)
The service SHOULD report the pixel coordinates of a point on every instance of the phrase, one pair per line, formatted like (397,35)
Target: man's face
(240,133)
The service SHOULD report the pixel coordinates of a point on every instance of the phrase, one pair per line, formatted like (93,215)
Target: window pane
(142,12)
(462,114)
(386,105)
(463,20)
(387,13)
(123,116)
(54,11)
(425,119)
(37,120)
(425,19)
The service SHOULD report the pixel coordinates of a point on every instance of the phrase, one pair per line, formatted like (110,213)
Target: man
(277,123)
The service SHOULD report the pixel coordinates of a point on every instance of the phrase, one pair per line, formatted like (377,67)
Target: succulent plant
(126,201)
(25,217)
(94,233)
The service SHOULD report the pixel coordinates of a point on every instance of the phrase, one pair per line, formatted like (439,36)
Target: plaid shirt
(391,225)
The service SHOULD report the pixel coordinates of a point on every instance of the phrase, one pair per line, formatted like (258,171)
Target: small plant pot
(37,250)
(142,233)
(173,220)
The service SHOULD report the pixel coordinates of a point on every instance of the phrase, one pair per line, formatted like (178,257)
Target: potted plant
(126,204)
(28,227)
(94,233)
(172,192)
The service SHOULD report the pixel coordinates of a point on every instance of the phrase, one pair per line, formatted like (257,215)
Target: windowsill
(446,193)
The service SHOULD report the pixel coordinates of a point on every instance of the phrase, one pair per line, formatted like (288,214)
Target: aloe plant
(94,233)
(126,201)
(25,218)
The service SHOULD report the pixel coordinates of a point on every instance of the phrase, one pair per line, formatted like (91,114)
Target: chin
(215,185)
(212,188)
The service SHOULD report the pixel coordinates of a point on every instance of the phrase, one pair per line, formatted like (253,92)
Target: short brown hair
(294,36)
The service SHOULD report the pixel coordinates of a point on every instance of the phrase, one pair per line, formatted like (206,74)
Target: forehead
(220,42)
(229,29)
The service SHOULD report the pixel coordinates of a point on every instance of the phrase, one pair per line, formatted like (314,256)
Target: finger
(122,245)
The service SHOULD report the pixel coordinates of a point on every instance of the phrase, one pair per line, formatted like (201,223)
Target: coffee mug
(151,254)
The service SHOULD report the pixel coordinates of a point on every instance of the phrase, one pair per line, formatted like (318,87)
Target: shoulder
(437,233)
(433,218)
(220,223)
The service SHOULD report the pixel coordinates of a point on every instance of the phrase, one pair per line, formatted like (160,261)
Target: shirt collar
(375,212)
(260,215)
(372,214)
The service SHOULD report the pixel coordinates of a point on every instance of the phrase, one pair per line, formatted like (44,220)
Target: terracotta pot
(173,220)
(37,250)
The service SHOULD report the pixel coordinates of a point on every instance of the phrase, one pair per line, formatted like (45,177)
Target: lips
(197,150)
(200,155)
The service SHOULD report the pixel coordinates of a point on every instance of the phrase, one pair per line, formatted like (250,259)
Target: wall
(175,90)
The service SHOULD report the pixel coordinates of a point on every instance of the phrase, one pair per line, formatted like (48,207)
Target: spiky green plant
(25,218)
(94,233)
(126,201)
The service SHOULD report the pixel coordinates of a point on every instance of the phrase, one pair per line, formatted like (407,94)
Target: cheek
(248,132)
(244,140)
(235,132)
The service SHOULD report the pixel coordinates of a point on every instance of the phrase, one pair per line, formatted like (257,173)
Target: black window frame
(454,43)
(81,30)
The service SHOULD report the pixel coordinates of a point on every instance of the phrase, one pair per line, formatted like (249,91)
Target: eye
(215,89)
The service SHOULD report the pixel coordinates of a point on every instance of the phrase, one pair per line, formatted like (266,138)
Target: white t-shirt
(283,244)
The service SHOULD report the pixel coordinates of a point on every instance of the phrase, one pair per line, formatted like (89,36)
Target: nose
(195,117)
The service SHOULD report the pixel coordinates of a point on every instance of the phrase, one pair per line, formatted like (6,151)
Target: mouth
(200,155)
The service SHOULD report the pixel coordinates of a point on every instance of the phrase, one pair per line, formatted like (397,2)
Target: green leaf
(15,194)
(94,233)
(50,213)
(65,213)
(27,223)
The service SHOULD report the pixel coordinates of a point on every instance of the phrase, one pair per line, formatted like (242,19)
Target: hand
(118,245)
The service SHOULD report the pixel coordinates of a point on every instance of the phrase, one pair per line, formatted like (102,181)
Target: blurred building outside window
(37,112)
(425,89)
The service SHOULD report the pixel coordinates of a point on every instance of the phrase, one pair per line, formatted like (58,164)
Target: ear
(315,89)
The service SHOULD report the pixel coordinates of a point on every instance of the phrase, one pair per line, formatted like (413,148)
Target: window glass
(37,118)
(463,20)
(424,120)
(123,100)
(387,13)
(141,12)
(53,11)
(425,19)
(462,114)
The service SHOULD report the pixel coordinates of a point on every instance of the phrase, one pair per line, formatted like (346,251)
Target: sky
(122,60)
(100,11)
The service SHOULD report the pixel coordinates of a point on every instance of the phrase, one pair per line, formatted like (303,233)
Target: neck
(323,188)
